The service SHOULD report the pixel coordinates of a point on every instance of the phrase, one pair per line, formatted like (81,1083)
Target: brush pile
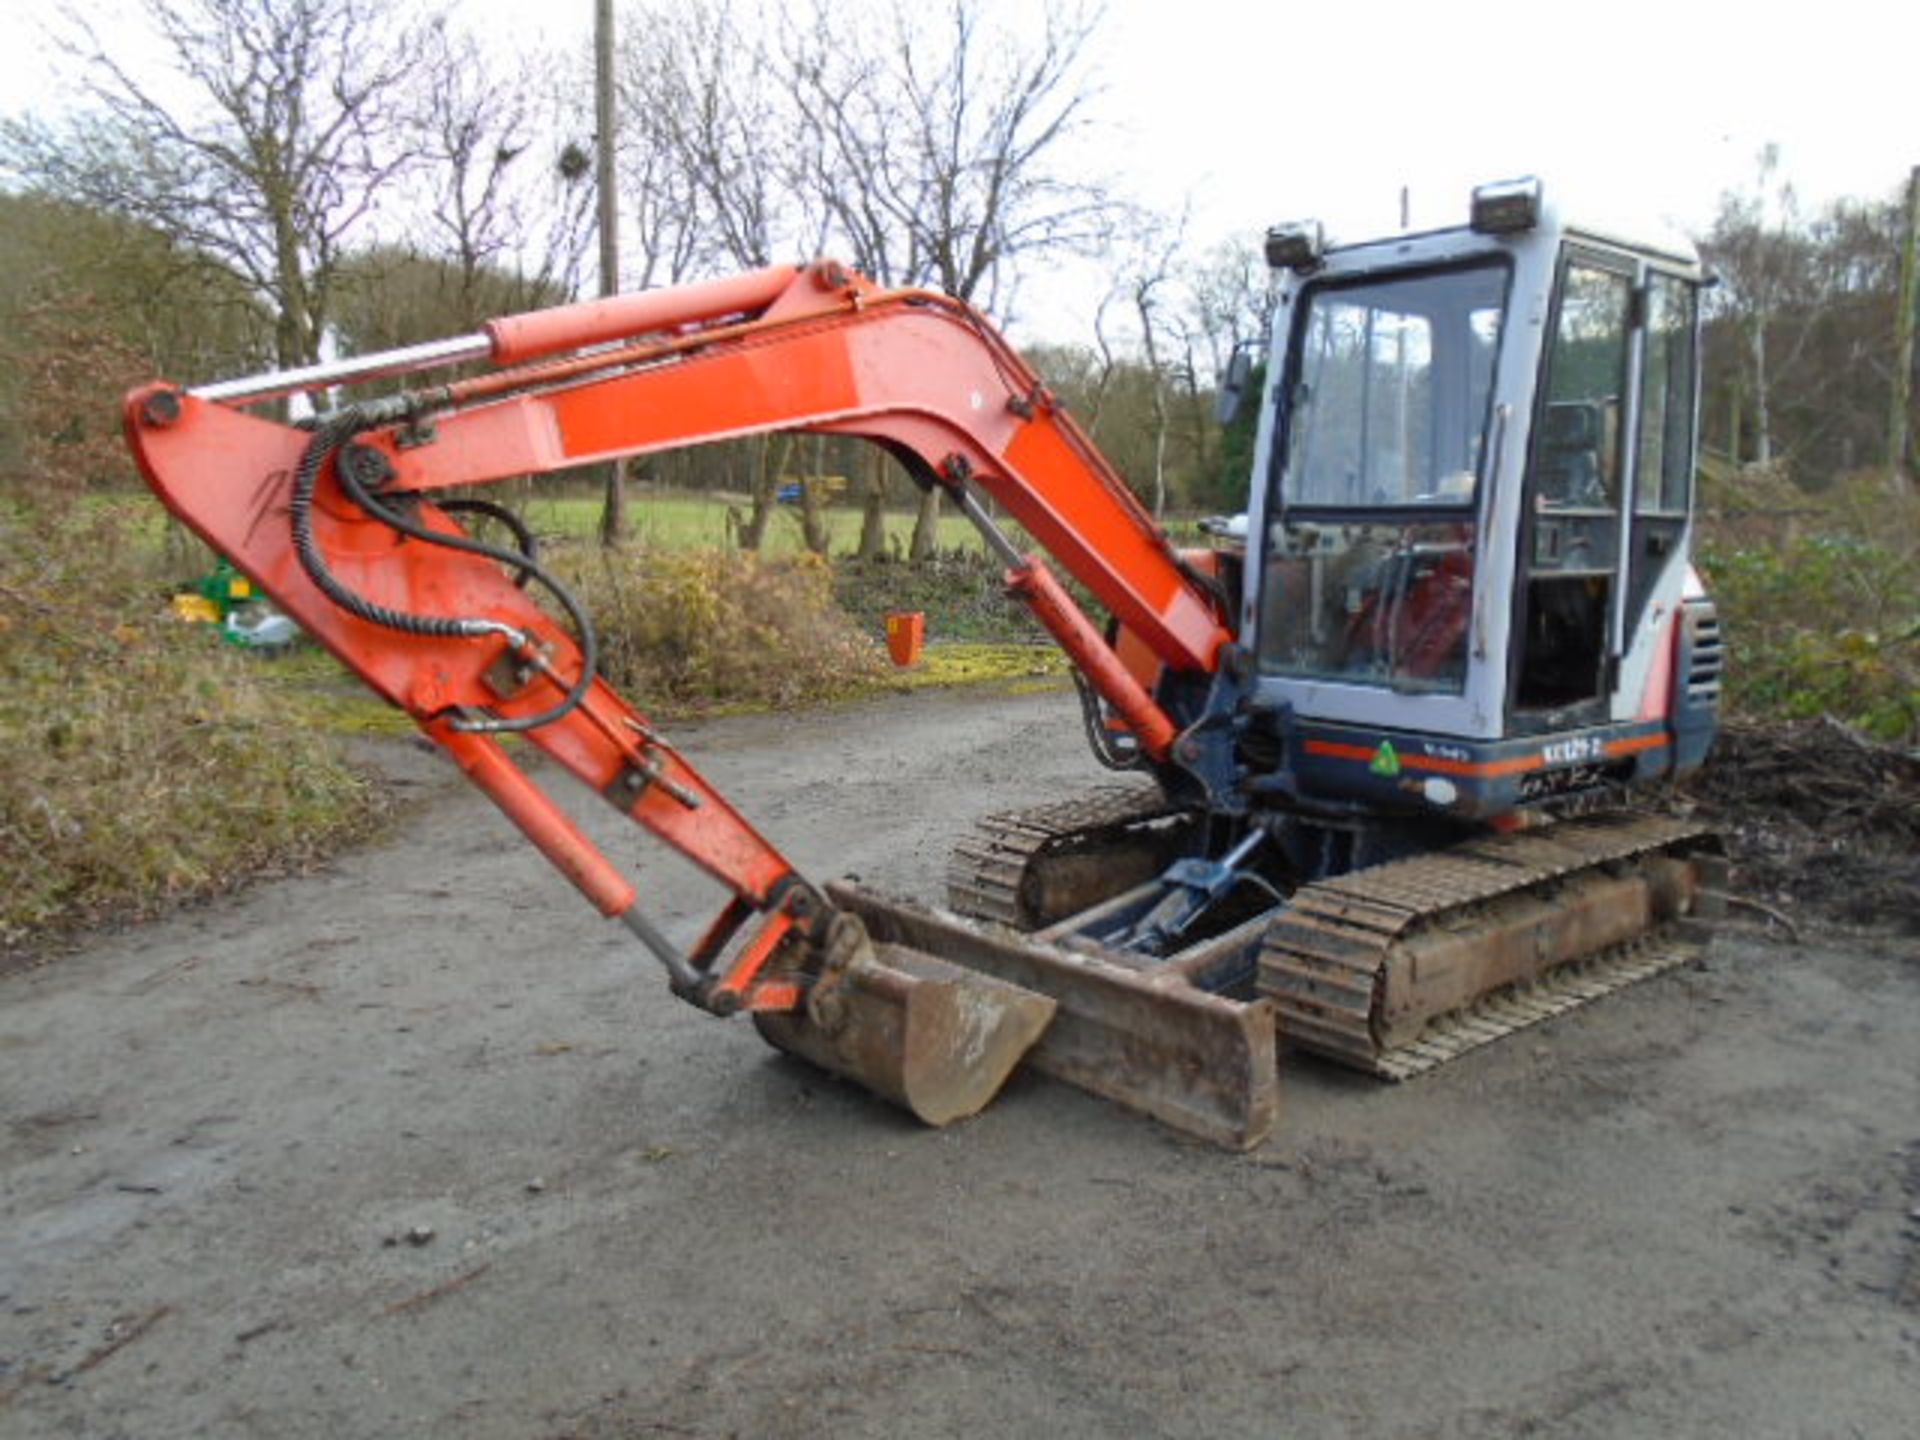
(1820,818)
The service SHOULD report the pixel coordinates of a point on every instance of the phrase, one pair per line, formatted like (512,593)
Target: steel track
(1326,962)
(989,871)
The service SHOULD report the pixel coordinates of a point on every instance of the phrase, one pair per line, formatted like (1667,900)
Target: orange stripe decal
(1634,744)
(1489,769)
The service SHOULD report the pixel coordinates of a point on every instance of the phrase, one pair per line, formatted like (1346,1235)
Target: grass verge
(146,764)
(1015,668)
(692,520)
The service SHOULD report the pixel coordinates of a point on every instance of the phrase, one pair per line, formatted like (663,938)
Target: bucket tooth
(932,1037)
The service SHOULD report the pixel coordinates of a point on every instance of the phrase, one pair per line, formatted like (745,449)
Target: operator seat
(1570,456)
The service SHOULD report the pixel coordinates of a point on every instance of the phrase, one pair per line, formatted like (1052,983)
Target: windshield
(1391,382)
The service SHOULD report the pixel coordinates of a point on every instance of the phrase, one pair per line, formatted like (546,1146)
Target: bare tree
(504,205)
(1146,279)
(474,133)
(934,156)
(1230,302)
(497,225)
(1796,359)
(1107,347)
(1756,248)
(297,120)
(707,128)
(665,211)
(1232,299)
(707,162)
(924,146)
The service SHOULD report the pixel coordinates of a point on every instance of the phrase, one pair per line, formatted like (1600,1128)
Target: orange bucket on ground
(906,634)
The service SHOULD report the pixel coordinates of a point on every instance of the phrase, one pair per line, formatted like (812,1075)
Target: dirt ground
(421,1146)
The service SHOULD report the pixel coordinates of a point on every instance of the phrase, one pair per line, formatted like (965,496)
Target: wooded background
(278,179)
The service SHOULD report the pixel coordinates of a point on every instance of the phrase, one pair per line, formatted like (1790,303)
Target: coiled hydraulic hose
(329,435)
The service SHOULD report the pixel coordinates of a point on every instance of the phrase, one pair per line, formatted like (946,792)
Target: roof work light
(1296,246)
(1506,207)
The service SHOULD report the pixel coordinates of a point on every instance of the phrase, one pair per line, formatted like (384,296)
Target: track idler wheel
(934,1038)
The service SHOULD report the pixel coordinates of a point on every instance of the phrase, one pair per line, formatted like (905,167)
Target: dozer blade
(929,1036)
(1143,1037)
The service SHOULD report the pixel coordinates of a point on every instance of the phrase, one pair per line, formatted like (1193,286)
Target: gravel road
(419,1145)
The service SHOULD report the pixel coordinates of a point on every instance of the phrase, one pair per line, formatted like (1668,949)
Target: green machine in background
(245,617)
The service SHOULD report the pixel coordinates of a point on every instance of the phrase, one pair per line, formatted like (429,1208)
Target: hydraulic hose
(329,435)
(1111,751)
(523,536)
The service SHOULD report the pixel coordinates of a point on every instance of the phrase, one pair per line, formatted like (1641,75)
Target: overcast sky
(1649,108)
(1250,113)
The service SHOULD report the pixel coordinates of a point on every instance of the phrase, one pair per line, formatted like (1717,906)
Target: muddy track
(419,1146)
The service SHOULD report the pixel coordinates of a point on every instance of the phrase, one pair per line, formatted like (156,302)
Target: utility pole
(613,509)
(1897,432)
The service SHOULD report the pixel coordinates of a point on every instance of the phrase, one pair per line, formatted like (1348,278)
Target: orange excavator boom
(344,521)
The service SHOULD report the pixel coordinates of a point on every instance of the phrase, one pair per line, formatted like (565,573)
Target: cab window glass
(1579,452)
(1666,398)
(1389,400)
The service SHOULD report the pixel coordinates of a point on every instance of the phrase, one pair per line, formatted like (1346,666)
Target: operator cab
(1467,567)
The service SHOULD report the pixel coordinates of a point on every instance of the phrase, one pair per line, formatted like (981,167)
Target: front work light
(1506,207)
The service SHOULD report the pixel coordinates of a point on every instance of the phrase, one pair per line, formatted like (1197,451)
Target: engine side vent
(1703,651)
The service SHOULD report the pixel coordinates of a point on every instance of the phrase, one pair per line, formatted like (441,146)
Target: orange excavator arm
(338,522)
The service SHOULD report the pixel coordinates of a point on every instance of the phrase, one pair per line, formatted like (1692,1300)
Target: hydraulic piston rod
(404,361)
(512,339)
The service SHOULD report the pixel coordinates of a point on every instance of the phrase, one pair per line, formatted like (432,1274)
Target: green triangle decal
(1385,760)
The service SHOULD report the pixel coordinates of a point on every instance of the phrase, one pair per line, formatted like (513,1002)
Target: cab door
(1571,536)
(1664,459)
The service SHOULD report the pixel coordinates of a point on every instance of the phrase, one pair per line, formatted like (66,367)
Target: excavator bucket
(934,1012)
(1142,1036)
(931,1037)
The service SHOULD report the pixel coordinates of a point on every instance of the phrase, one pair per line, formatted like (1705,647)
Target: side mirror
(1233,384)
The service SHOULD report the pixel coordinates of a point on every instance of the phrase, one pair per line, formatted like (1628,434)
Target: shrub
(1826,623)
(962,594)
(144,761)
(718,626)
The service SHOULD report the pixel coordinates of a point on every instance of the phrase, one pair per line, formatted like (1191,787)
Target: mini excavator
(1383,749)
